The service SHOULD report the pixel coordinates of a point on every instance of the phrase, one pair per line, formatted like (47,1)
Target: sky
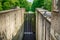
(30,0)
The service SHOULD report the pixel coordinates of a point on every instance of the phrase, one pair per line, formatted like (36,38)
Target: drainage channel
(29,34)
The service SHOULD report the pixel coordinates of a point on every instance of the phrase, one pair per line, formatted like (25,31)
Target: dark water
(29,37)
(28,29)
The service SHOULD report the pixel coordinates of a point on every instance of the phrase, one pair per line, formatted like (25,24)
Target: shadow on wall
(19,34)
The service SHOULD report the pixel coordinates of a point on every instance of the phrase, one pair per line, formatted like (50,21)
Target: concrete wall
(11,24)
(42,25)
(55,20)
(46,28)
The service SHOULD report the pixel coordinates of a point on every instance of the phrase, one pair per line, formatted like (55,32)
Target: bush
(6,5)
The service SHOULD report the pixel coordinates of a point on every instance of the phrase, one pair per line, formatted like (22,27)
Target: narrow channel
(29,28)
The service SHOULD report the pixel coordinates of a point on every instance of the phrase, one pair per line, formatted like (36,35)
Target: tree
(37,4)
(24,4)
(48,4)
(9,4)
(1,6)
(6,5)
(45,4)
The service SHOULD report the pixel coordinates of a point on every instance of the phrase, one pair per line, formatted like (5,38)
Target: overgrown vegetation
(9,4)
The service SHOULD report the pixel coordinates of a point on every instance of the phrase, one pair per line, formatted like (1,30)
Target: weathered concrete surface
(42,24)
(55,19)
(11,24)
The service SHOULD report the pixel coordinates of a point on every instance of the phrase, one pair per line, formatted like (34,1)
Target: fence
(43,24)
(11,24)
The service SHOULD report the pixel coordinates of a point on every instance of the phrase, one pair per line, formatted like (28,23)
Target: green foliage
(9,4)
(24,4)
(37,4)
(1,6)
(46,4)
(6,5)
